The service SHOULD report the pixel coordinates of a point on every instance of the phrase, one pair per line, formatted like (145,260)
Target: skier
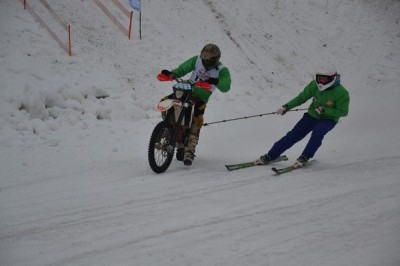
(205,67)
(330,101)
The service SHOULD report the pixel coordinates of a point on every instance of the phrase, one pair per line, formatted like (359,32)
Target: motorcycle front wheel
(161,152)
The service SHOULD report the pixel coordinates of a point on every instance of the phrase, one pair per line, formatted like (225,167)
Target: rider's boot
(190,149)
(192,141)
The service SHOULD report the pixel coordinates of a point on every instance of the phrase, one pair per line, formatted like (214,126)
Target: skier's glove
(167,72)
(319,110)
(213,81)
(282,110)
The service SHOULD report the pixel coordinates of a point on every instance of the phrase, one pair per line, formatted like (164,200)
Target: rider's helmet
(210,54)
(326,77)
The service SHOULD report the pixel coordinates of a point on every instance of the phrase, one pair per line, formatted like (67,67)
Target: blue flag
(135,4)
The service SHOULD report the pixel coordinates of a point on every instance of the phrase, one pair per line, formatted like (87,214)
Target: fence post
(66,46)
(69,41)
(130,25)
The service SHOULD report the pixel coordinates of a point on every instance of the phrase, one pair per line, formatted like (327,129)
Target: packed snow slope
(75,185)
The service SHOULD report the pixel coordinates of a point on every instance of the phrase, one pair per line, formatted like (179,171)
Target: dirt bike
(172,133)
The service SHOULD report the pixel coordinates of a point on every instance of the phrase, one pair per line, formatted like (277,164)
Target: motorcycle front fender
(167,104)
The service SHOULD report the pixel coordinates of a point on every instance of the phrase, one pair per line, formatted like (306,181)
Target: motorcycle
(173,131)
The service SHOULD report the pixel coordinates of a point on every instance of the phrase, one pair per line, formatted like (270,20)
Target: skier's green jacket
(199,72)
(334,101)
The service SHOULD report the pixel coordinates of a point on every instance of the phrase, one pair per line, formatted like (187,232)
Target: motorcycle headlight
(178,94)
(180,88)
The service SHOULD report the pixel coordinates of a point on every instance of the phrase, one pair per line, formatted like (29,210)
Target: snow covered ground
(75,185)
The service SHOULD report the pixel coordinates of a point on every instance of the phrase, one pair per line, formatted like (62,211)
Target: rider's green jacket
(334,101)
(200,73)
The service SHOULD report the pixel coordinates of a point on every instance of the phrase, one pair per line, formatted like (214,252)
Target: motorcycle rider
(203,67)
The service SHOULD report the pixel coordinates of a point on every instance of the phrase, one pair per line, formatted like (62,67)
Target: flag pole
(140,25)
(137,5)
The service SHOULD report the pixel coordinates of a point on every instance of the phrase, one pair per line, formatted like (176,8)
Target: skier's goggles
(324,79)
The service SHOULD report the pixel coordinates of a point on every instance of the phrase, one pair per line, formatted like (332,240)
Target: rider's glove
(213,81)
(282,110)
(167,72)
(319,110)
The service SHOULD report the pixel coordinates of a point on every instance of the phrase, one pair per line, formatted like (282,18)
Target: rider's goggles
(212,61)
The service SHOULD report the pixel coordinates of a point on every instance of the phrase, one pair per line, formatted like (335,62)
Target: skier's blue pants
(307,124)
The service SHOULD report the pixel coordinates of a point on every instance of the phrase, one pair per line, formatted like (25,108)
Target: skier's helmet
(210,54)
(326,77)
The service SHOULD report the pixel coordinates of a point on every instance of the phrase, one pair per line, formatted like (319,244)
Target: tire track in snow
(226,28)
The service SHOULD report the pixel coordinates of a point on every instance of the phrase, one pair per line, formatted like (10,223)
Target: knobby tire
(159,157)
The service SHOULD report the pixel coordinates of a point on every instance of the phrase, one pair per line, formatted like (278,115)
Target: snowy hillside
(75,184)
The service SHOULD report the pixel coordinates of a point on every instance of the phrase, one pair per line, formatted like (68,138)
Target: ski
(290,168)
(238,166)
